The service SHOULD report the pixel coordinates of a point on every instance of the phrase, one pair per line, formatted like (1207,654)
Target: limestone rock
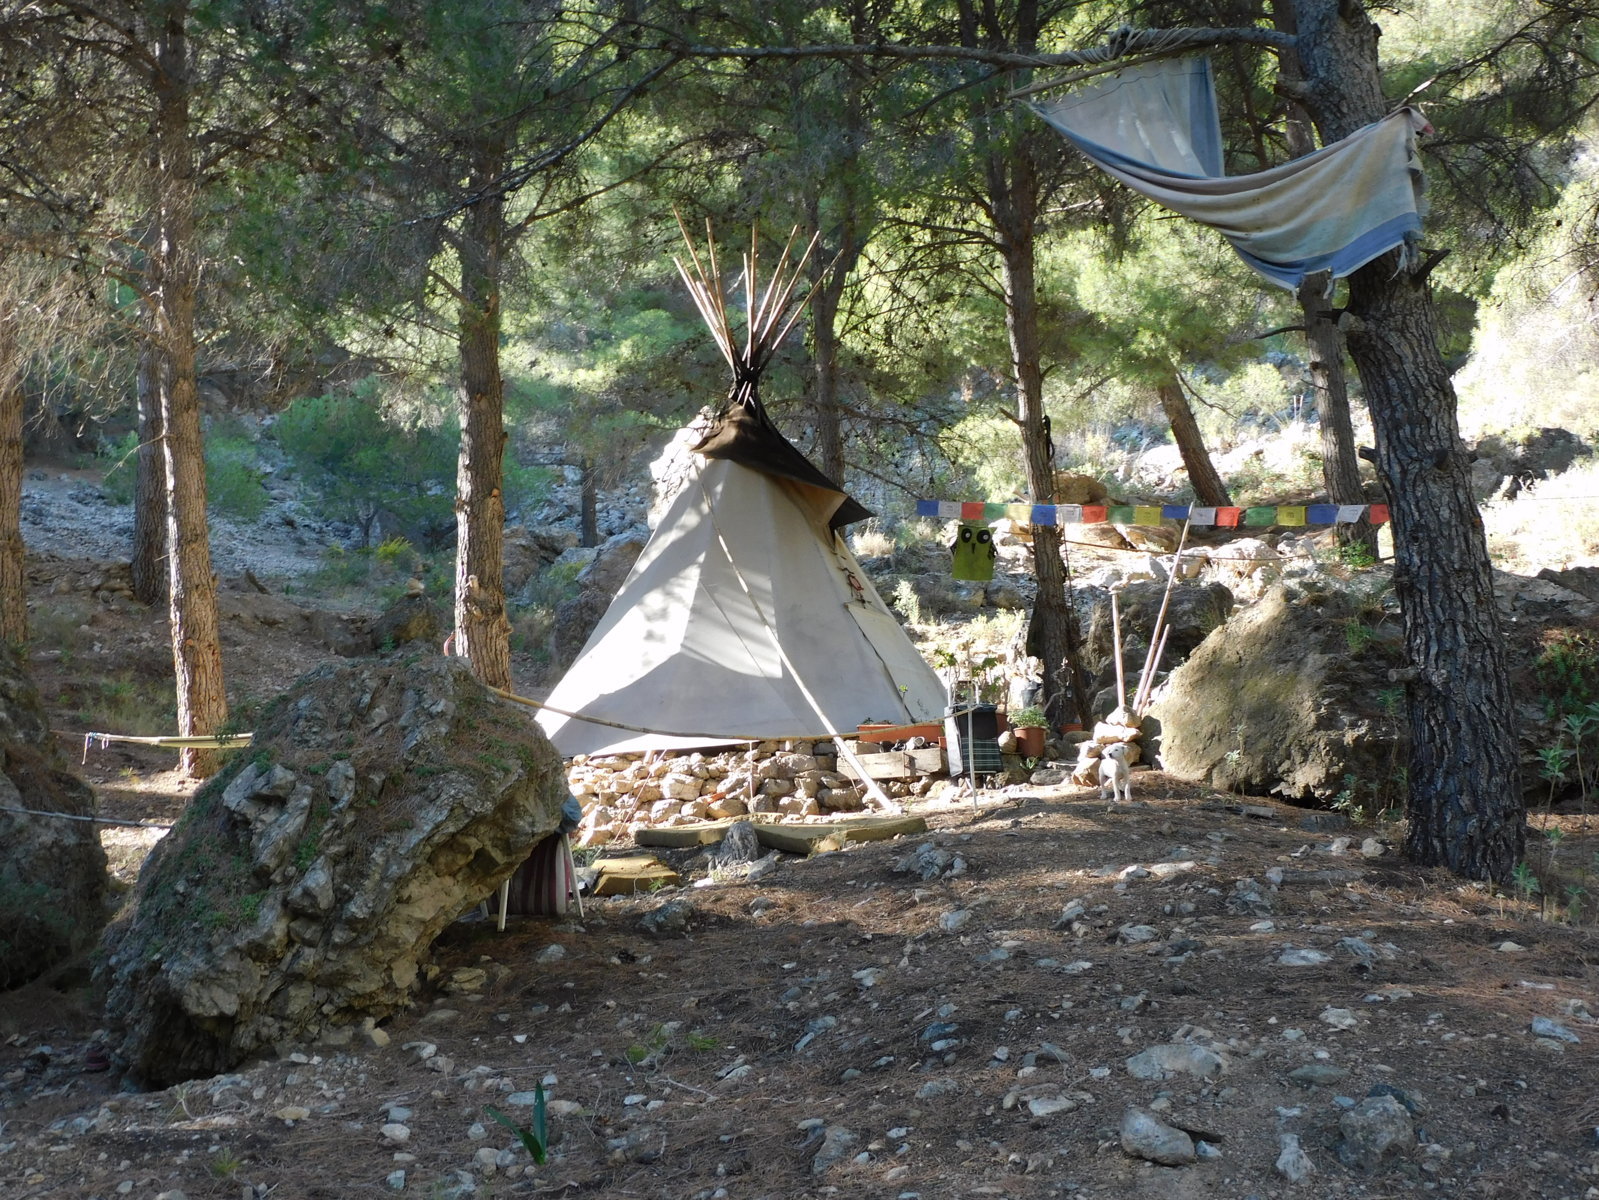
(1146,1137)
(52,871)
(1176,1058)
(1194,611)
(739,845)
(305,884)
(1377,1127)
(411,618)
(347,637)
(1276,700)
(610,567)
(1071,488)
(574,620)
(1293,1164)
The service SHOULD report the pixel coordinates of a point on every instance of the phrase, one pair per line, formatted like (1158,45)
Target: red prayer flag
(1228,518)
(972,510)
(1093,514)
(1377,514)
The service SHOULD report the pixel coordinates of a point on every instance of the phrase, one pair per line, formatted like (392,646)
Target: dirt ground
(848,1028)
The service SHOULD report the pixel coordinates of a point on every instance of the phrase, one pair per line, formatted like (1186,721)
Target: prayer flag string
(1258,516)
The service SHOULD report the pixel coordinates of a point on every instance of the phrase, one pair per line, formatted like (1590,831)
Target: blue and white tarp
(1155,127)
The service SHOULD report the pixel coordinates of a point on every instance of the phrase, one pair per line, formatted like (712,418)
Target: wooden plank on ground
(685,837)
(811,838)
(623,875)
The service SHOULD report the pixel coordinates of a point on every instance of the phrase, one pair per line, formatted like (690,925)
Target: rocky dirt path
(1045,997)
(64,513)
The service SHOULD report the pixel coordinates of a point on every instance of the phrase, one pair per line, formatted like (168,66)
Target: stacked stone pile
(622,793)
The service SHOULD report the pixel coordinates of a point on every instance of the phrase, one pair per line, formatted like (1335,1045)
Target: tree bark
(13,554)
(1013,187)
(1207,484)
(824,357)
(482,630)
(589,503)
(149,562)
(1340,468)
(1465,801)
(196,645)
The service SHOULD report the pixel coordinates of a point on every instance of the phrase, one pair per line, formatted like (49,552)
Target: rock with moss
(52,869)
(305,884)
(1291,697)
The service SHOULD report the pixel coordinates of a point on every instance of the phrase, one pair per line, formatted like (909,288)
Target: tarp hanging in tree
(1155,127)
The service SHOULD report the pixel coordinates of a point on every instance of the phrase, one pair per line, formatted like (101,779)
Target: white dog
(1115,779)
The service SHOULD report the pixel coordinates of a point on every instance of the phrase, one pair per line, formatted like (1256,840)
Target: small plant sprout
(535,1135)
(1574,898)
(1577,725)
(1552,764)
(1526,883)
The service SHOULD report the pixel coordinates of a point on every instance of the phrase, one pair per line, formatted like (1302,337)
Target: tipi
(746,617)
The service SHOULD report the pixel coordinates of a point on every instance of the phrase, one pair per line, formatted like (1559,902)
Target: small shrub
(233,485)
(1567,671)
(906,602)
(232,478)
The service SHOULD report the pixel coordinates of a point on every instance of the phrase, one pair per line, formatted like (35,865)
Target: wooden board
(685,837)
(623,875)
(897,764)
(792,838)
(811,838)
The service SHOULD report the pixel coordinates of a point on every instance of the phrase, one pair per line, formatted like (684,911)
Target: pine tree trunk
(589,504)
(149,562)
(196,646)
(1340,468)
(1013,194)
(482,630)
(824,399)
(1207,484)
(13,554)
(1012,188)
(1465,802)
(830,273)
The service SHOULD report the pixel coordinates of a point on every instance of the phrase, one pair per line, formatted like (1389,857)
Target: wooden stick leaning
(1141,701)
(1147,675)
(1116,639)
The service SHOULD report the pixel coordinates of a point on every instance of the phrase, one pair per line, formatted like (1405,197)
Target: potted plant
(1029,724)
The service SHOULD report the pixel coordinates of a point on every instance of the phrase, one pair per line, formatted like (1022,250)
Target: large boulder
(304,885)
(411,618)
(1291,697)
(598,582)
(52,869)
(1194,610)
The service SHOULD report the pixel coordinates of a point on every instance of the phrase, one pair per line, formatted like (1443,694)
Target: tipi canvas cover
(746,617)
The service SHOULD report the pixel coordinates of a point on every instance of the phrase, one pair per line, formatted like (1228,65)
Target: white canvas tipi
(746,617)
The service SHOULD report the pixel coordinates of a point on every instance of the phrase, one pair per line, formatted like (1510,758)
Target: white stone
(1293,1164)
(1302,956)
(1176,1058)
(396,1133)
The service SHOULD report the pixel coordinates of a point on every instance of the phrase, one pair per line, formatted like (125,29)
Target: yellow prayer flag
(1146,514)
(1290,514)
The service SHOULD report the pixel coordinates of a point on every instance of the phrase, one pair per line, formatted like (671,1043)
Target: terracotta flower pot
(1030,741)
